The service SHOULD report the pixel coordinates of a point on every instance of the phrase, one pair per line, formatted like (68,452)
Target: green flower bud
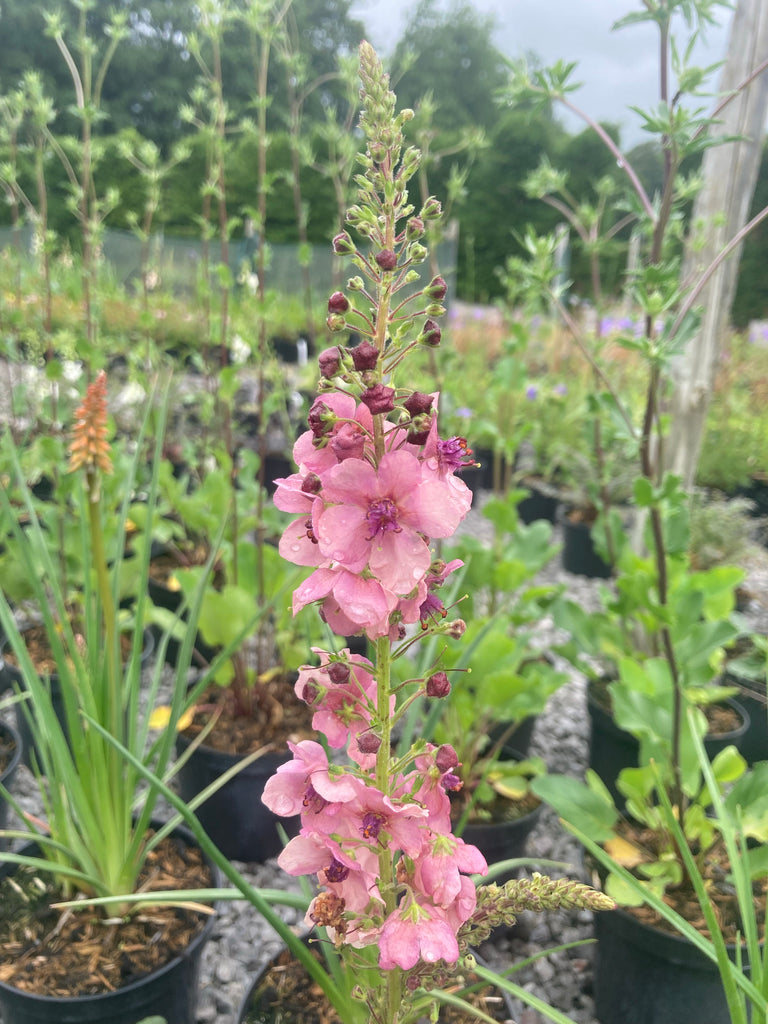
(336,322)
(432,209)
(416,252)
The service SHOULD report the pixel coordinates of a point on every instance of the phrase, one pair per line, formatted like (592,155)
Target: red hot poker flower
(89,448)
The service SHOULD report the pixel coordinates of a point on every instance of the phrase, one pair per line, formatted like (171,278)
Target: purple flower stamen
(313,801)
(382,516)
(336,871)
(372,825)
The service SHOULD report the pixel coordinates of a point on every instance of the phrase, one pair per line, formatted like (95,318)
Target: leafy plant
(98,811)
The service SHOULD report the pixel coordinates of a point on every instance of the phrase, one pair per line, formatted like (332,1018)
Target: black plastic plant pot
(24,708)
(262,1003)
(578,554)
(537,505)
(484,456)
(753,745)
(516,737)
(644,975)
(11,747)
(234,817)
(502,840)
(612,748)
(474,478)
(171,992)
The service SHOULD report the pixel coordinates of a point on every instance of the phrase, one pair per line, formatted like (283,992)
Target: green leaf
(576,803)
(643,491)
(622,892)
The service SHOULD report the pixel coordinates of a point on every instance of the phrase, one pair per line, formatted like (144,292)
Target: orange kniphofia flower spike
(89,448)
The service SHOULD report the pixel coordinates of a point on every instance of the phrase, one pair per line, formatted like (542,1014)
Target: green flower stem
(391,980)
(108,617)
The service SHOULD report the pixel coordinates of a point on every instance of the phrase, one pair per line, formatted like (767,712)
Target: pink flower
(353,424)
(343,709)
(438,868)
(351,604)
(298,543)
(306,784)
(371,821)
(375,521)
(414,932)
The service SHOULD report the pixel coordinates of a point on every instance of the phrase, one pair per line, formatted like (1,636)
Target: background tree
(451,54)
(497,209)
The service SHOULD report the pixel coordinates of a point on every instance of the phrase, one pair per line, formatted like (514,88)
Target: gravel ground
(242,942)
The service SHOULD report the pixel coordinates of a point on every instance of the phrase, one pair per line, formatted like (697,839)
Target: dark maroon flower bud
(414,229)
(338,672)
(379,399)
(418,403)
(438,685)
(311,484)
(343,244)
(364,356)
(321,418)
(368,742)
(386,259)
(431,334)
(329,362)
(436,289)
(338,303)
(310,692)
(445,756)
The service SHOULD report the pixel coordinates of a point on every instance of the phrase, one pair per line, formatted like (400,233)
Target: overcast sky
(617,68)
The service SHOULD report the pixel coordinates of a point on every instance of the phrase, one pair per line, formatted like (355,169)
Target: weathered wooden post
(720,211)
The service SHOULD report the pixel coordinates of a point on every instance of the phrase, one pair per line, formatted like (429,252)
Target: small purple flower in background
(531,392)
(478,313)
(606,326)
(560,390)
(464,412)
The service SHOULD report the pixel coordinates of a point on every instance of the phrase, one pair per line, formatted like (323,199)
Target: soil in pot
(283,993)
(76,966)
(234,817)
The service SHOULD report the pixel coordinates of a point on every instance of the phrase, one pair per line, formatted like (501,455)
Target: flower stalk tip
(89,449)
